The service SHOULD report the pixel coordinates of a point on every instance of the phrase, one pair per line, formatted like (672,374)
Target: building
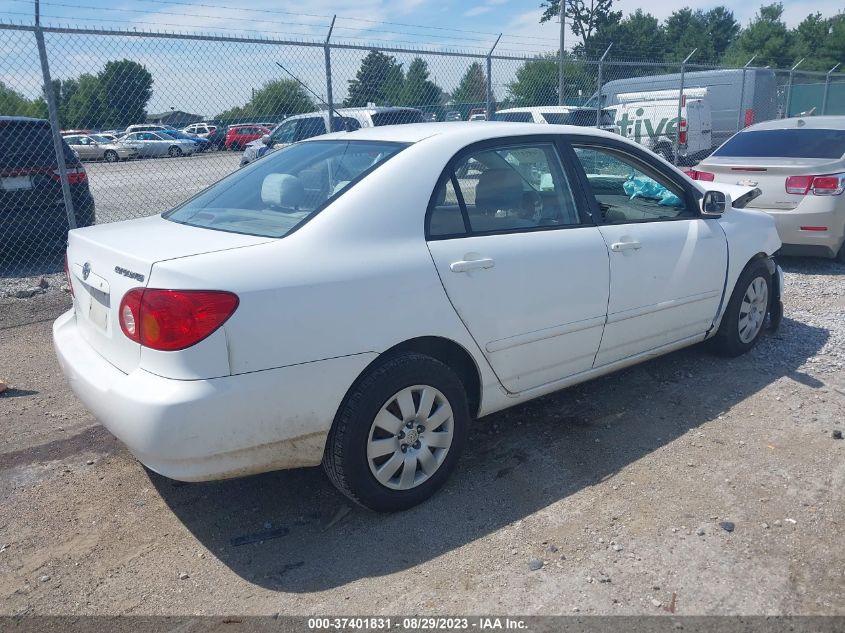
(176,118)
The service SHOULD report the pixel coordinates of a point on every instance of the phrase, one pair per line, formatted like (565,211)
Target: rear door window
(806,143)
(311,126)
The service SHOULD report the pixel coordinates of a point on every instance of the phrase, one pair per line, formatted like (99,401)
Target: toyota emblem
(86,270)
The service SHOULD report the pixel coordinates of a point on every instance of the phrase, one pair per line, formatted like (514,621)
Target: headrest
(282,190)
(498,189)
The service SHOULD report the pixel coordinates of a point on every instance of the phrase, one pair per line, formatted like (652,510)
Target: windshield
(807,143)
(275,195)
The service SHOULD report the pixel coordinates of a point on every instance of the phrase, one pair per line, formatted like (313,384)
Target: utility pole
(560,73)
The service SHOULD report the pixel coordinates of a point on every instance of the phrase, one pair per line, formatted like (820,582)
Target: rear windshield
(513,117)
(397,117)
(814,143)
(274,195)
(29,144)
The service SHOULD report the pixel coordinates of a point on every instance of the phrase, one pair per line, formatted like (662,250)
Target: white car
(350,301)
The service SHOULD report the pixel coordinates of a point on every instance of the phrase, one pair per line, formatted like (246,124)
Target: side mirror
(715,203)
(266,139)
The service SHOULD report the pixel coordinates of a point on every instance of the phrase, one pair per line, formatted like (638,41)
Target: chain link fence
(142,121)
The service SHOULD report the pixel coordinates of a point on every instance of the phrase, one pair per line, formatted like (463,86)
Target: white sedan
(356,299)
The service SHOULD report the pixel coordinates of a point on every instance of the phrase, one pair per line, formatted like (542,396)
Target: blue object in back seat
(645,187)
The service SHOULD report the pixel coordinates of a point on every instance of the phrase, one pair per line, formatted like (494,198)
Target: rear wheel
(399,433)
(840,257)
(111,156)
(174,151)
(235,147)
(742,323)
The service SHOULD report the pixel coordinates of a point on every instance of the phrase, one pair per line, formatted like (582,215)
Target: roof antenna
(318,97)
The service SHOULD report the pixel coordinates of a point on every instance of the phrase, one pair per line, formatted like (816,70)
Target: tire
(355,434)
(235,147)
(745,311)
(110,156)
(174,151)
(840,256)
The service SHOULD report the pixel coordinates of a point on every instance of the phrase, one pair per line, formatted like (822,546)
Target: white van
(558,115)
(651,119)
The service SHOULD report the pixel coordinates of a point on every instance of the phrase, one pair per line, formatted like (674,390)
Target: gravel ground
(689,484)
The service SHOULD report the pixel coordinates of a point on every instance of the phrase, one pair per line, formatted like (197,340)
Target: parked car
(238,136)
(31,201)
(150,144)
(799,165)
(558,115)
(349,301)
(478,116)
(99,147)
(474,112)
(429,117)
(201,144)
(452,115)
(302,126)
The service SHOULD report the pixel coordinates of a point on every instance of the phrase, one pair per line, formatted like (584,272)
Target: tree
(766,36)
(639,35)
(282,97)
(13,103)
(686,30)
(473,86)
(84,108)
(536,81)
(419,90)
(809,40)
(125,89)
(722,28)
(585,17)
(379,80)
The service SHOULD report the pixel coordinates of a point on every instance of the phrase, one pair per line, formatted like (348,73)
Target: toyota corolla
(355,300)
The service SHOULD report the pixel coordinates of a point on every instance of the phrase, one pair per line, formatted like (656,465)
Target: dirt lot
(622,489)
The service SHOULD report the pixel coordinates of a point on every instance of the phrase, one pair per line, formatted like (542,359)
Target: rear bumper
(800,241)
(196,430)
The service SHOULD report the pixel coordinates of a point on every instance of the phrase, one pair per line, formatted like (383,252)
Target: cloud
(477,11)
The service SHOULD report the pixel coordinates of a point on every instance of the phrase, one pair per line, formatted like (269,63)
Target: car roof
(806,122)
(463,132)
(551,108)
(23,119)
(349,111)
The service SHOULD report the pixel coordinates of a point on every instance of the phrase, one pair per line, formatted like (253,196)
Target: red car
(239,135)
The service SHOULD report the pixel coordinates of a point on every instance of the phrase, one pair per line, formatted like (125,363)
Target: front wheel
(742,323)
(174,152)
(398,434)
(111,156)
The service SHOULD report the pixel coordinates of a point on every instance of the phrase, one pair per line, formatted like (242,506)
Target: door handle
(465,265)
(617,247)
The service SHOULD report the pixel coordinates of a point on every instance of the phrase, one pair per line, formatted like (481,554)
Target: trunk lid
(108,260)
(768,175)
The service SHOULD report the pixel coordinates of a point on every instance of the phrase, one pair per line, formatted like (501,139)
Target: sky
(184,72)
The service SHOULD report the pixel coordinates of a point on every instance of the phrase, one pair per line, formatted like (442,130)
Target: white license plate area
(15,183)
(98,314)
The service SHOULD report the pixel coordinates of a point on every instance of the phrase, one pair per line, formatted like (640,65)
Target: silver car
(96,147)
(153,144)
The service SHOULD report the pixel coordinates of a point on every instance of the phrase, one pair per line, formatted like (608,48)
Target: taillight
(682,132)
(829,185)
(170,320)
(700,175)
(749,116)
(67,276)
(75,175)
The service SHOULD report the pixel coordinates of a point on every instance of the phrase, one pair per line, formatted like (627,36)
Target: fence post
(327,51)
(827,87)
(561,75)
(598,88)
(490,78)
(53,116)
(680,108)
(789,89)
(740,118)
